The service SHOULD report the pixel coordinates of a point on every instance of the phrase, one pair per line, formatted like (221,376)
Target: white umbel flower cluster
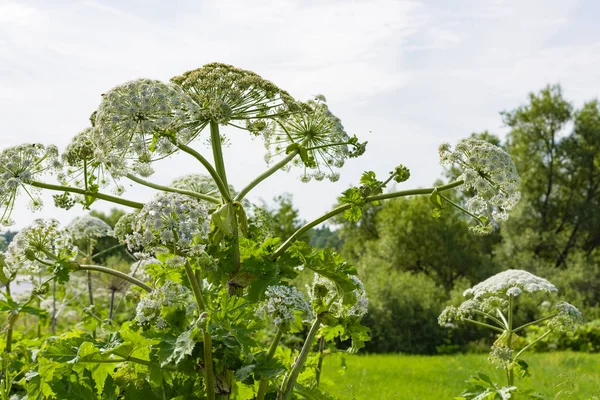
(171,294)
(88,227)
(170,222)
(511,282)
(44,241)
(567,319)
(325,291)
(19,165)
(133,122)
(321,132)
(282,304)
(490,173)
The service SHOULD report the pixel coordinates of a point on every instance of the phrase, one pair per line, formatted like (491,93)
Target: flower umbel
(510,282)
(136,123)
(19,165)
(42,244)
(170,222)
(172,295)
(490,173)
(320,137)
(88,227)
(282,304)
(226,94)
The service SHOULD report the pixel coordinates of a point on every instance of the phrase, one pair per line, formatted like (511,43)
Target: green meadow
(556,375)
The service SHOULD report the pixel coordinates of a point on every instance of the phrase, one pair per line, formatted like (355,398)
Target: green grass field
(556,375)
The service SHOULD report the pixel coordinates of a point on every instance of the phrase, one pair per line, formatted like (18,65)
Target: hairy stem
(495,328)
(344,207)
(537,321)
(287,387)
(209,375)
(320,362)
(97,195)
(532,343)
(511,373)
(190,193)
(276,167)
(264,382)
(217,148)
(116,273)
(223,189)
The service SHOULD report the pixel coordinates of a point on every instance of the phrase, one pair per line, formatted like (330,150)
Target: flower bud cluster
(282,304)
(149,311)
(170,222)
(501,356)
(340,305)
(82,169)
(136,123)
(224,93)
(490,173)
(88,227)
(41,243)
(19,165)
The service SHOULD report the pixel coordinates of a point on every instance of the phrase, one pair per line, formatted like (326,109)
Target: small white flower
(567,319)
(281,305)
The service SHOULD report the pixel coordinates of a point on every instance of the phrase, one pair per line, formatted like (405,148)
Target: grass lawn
(565,375)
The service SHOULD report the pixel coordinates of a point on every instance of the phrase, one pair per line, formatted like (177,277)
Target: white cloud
(413,73)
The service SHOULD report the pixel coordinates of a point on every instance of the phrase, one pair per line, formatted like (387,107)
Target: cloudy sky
(404,75)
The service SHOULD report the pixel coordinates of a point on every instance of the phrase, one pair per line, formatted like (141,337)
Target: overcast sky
(404,75)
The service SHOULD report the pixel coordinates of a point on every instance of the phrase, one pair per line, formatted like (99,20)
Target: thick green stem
(190,193)
(287,387)
(276,167)
(215,141)
(98,254)
(9,336)
(209,375)
(537,321)
(264,382)
(97,195)
(511,373)
(116,273)
(223,189)
(320,362)
(344,207)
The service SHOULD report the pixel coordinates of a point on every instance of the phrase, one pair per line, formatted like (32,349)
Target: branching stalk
(97,195)
(344,207)
(264,382)
(190,193)
(287,387)
(116,273)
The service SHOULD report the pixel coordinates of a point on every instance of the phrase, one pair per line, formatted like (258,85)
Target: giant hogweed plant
(491,304)
(219,283)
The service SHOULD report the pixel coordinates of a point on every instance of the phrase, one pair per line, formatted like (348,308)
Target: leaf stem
(170,189)
(287,386)
(484,324)
(264,382)
(98,195)
(223,189)
(344,207)
(532,343)
(116,273)
(209,375)
(534,322)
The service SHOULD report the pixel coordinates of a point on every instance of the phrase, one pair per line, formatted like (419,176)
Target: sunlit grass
(556,375)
